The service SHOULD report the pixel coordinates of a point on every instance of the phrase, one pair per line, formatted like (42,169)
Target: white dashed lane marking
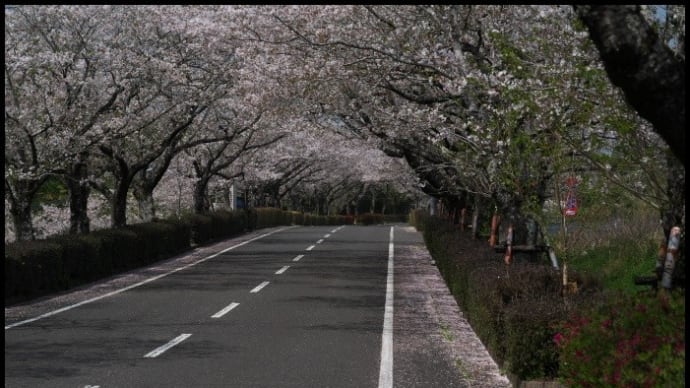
(160,350)
(225,310)
(259,287)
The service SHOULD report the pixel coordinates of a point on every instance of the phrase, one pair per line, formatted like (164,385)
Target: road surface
(320,306)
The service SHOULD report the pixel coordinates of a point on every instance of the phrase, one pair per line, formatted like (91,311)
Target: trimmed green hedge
(83,258)
(33,268)
(514,310)
(369,219)
(200,228)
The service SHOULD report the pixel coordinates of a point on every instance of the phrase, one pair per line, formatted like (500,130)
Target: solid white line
(327,235)
(310,248)
(298,257)
(225,310)
(280,271)
(386,370)
(259,287)
(158,351)
(66,308)
(320,241)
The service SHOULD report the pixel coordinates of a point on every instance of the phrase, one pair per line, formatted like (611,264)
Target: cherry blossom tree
(56,92)
(484,103)
(173,71)
(650,73)
(484,97)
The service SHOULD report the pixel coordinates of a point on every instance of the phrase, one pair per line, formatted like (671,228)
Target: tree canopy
(487,105)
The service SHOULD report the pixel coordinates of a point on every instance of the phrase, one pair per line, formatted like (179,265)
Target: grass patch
(445,332)
(462,369)
(617,263)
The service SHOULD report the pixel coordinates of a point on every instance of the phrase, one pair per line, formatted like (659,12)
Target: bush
(156,240)
(369,219)
(270,217)
(119,247)
(225,224)
(180,235)
(297,218)
(394,218)
(515,310)
(252,218)
(33,268)
(200,227)
(81,255)
(308,220)
(631,340)
(530,325)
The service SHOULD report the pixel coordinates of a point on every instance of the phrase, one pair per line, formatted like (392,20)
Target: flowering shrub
(631,341)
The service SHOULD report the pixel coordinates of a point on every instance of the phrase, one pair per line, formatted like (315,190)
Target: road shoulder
(434,343)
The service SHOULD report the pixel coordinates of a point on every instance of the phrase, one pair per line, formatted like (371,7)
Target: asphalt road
(294,307)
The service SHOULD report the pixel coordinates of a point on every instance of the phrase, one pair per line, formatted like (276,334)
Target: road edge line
(386,368)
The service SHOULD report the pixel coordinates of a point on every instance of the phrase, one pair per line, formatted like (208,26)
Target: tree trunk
(511,216)
(144,197)
(119,204)
(673,215)
(201,204)
(78,206)
(79,191)
(640,63)
(674,211)
(20,198)
(21,218)
(475,218)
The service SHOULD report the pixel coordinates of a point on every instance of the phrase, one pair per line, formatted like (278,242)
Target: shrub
(369,219)
(81,255)
(269,217)
(252,218)
(157,240)
(308,220)
(530,324)
(119,247)
(180,235)
(200,227)
(223,224)
(297,218)
(33,268)
(394,218)
(514,310)
(630,340)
